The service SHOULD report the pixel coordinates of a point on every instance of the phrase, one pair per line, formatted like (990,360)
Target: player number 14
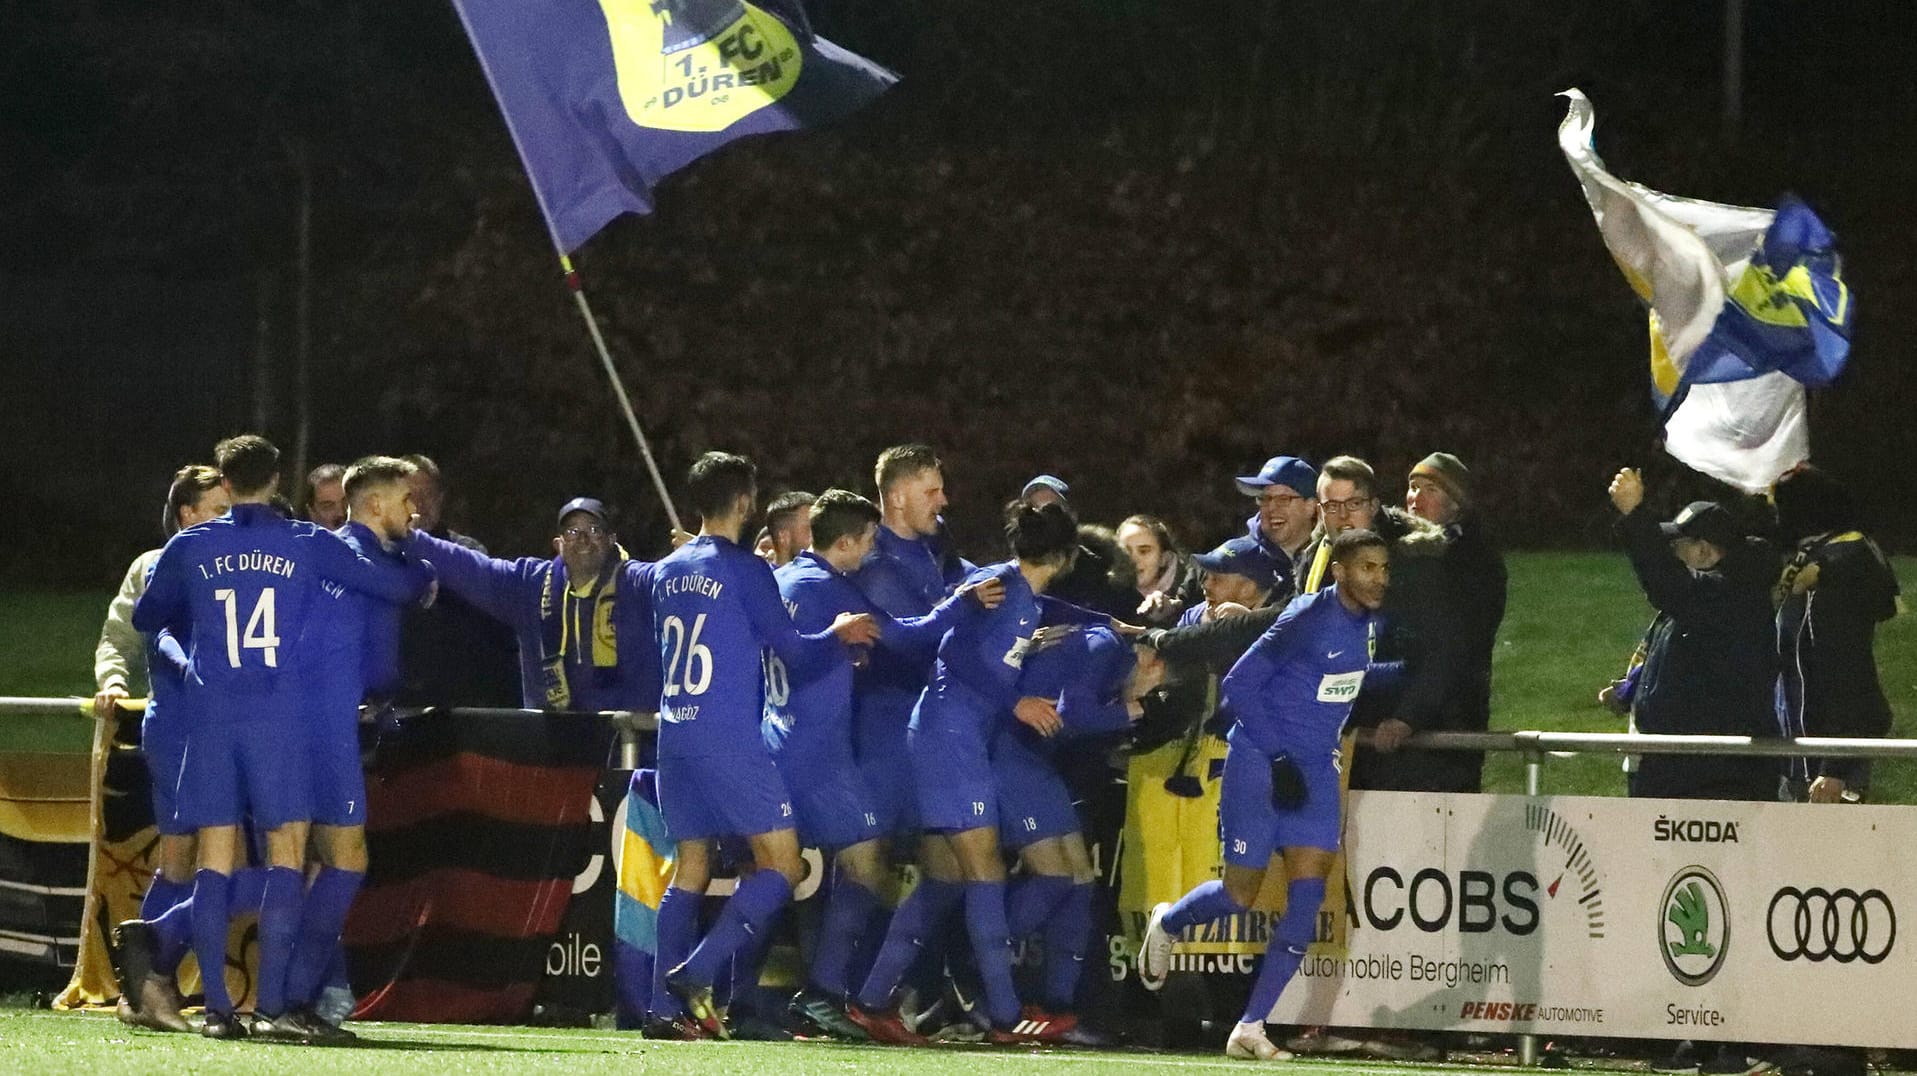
(261,632)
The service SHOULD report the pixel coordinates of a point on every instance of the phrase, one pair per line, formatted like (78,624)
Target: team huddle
(874,689)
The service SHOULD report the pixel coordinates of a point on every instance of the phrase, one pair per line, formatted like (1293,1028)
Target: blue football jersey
(1293,690)
(720,624)
(979,661)
(246,584)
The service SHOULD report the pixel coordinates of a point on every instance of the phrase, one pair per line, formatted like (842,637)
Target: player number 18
(261,632)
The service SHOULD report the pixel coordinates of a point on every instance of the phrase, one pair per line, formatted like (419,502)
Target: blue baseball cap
(1241,556)
(1048,481)
(1290,471)
(592,506)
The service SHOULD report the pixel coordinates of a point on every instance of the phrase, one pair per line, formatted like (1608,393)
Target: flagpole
(578,290)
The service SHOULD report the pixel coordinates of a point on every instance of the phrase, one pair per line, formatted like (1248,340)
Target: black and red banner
(477,827)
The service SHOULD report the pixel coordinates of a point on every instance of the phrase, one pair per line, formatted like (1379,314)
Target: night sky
(151,181)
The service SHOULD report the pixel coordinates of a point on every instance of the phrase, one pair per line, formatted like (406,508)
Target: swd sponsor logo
(1842,925)
(1694,830)
(1694,926)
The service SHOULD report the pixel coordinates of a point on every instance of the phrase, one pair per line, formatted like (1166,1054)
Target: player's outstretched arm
(506,590)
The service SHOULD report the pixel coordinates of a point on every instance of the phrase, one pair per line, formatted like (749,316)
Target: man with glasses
(1286,489)
(583,619)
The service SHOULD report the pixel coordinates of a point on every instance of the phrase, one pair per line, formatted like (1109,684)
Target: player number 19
(261,632)
(697,674)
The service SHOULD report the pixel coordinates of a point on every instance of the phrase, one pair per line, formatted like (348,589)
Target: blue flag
(605,98)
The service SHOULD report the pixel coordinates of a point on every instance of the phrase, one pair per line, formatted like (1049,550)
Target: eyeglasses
(590,530)
(1279,500)
(1347,507)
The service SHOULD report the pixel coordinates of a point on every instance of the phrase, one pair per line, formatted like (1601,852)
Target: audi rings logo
(1831,924)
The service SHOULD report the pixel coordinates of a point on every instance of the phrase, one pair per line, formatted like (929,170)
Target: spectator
(429,502)
(1167,582)
(323,499)
(788,526)
(1836,590)
(1239,575)
(1439,490)
(1100,578)
(1046,489)
(583,618)
(452,654)
(1708,662)
(1419,638)
(119,661)
(1287,491)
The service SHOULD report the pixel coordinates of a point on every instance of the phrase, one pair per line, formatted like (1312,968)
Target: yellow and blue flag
(605,98)
(1747,307)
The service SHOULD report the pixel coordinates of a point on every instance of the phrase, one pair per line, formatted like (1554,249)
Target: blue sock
(747,965)
(321,921)
(1030,900)
(992,945)
(1202,905)
(678,929)
(1068,936)
(249,890)
(921,913)
(943,936)
(209,904)
(168,909)
(280,906)
(1287,947)
(865,949)
(750,912)
(847,912)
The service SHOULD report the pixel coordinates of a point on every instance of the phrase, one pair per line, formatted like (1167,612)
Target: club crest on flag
(698,65)
(1747,306)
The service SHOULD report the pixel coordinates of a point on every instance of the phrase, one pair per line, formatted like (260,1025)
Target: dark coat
(1709,666)
(1836,591)
(1441,615)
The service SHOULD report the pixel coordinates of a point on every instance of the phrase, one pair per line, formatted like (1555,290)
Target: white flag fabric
(1746,306)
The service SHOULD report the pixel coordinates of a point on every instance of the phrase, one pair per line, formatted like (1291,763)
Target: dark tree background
(1140,244)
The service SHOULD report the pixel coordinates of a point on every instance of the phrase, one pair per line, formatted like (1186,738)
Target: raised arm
(505,590)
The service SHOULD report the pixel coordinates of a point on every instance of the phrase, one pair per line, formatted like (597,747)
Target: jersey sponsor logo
(1015,657)
(1340,687)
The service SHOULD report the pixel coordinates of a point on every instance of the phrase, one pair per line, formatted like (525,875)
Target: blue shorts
(831,803)
(732,795)
(1033,802)
(332,725)
(163,743)
(952,779)
(235,768)
(1252,829)
(890,787)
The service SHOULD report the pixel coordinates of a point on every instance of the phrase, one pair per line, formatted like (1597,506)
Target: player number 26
(696,675)
(261,631)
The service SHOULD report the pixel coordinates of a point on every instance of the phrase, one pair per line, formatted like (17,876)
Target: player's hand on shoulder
(988,592)
(855,629)
(1039,715)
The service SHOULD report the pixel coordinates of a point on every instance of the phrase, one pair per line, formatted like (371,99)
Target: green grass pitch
(48,1042)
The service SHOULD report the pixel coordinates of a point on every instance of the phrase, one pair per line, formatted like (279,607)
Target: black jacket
(1709,667)
(1835,592)
(1445,685)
